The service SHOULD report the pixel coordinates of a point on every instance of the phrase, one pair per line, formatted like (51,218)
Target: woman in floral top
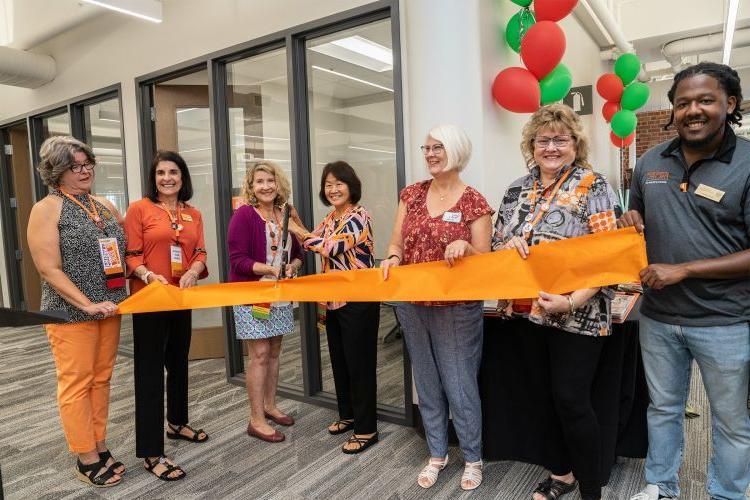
(344,242)
(444,338)
(561,197)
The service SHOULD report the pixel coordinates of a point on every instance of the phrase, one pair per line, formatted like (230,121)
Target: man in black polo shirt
(691,198)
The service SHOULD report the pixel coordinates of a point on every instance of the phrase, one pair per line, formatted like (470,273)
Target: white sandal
(472,476)
(429,474)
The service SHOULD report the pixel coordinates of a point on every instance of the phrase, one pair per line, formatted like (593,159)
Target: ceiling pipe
(615,32)
(25,69)
(674,51)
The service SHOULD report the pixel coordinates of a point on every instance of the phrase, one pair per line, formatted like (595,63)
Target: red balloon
(553,10)
(609,109)
(610,87)
(517,90)
(542,48)
(621,143)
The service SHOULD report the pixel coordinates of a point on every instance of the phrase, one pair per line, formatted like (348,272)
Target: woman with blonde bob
(444,219)
(560,336)
(255,253)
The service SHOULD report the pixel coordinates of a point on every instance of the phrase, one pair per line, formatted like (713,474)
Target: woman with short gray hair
(444,338)
(77,243)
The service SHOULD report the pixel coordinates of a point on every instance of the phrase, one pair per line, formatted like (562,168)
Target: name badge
(175,260)
(114,270)
(186,217)
(710,193)
(452,216)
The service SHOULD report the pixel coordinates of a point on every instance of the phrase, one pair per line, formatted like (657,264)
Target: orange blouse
(148,229)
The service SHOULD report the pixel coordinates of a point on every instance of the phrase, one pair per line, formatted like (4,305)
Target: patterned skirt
(247,327)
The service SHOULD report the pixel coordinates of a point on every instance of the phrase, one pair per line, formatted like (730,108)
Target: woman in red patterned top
(443,218)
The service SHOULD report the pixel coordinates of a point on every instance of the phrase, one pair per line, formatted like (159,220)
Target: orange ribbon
(589,261)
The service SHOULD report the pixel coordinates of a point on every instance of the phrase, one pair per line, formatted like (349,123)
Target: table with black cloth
(518,415)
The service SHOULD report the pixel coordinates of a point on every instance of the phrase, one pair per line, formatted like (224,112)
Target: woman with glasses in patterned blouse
(561,197)
(344,242)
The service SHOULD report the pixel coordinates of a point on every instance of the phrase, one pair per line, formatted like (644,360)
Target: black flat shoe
(169,469)
(362,444)
(343,426)
(177,433)
(552,489)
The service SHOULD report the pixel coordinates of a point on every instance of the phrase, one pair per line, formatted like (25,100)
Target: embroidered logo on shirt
(657,177)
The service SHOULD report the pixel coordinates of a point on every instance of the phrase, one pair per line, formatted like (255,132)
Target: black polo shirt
(710,219)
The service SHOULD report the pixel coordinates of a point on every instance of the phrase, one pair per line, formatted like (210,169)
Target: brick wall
(649,132)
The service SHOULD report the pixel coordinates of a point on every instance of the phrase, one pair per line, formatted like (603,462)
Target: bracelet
(145,276)
(572,305)
(394,255)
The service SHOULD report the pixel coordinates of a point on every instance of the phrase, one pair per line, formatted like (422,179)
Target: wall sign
(579,98)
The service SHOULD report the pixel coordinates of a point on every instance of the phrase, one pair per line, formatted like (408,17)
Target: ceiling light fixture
(359,51)
(150,10)
(729,30)
(350,77)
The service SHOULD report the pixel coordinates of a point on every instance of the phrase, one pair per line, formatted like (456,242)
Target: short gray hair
(457,145)
(57,155)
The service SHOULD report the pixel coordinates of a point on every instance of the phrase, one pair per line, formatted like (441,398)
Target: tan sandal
(472,476)
(429,474)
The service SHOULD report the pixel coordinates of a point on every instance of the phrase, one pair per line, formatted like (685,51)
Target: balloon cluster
(541,43)
(623,96)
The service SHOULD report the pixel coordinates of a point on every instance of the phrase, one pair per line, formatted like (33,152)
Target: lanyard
(174,219)
(93,214)
(532,221)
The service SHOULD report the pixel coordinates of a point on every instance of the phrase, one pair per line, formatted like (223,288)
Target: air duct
(25,69)
(713,42)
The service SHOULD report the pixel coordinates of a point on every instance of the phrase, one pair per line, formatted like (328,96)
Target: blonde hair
(457,145)
(283,188)
(555,117)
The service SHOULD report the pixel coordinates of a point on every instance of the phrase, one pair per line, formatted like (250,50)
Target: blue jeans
(723,356)
(445,347)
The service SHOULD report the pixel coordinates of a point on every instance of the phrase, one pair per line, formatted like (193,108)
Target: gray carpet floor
(36,464)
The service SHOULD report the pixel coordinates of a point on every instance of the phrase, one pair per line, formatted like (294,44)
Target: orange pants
(84,357)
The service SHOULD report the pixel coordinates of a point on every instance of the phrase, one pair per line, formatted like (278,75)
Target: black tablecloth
(519,421)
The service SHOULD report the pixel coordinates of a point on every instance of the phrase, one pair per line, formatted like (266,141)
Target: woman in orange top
(165,244)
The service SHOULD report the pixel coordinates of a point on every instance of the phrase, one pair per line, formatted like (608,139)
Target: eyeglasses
(559,141)
(77,168)
(436,149)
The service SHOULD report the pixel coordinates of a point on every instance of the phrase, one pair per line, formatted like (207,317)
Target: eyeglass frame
(556,141)
(436,148)
(77,168)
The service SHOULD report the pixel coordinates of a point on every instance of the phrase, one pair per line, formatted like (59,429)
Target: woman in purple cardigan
(255,251)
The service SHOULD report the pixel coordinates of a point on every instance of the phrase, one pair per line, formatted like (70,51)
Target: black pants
(353,345)
(160,340)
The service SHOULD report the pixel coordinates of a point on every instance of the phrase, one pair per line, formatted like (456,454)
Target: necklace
(442,197)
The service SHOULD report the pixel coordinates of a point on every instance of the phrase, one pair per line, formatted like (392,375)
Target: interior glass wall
(55,125)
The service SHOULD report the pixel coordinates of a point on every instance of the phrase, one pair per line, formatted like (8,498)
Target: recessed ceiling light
(359,51)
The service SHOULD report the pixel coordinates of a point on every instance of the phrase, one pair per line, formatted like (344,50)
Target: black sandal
(177,433)
(87,474)
(104,456)
(343,426)
(552,489)
(362,444)
(165,474)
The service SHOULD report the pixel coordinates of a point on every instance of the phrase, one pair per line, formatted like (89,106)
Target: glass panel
(55,125)
(350,80)
(183,125)
(258,109)
(103,133)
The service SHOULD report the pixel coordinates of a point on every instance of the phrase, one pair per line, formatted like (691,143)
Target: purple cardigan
(246,242)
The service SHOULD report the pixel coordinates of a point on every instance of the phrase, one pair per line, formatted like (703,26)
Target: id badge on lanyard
(175,260)
(114,270)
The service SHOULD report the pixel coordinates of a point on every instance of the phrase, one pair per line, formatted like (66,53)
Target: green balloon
(517,27)
(623,123)
(556,85)
(522,3)
(627,67)
(635,95)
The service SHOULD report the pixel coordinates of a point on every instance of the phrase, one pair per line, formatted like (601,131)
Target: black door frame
(293,39)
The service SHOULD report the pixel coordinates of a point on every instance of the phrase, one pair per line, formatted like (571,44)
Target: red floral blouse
(425,237)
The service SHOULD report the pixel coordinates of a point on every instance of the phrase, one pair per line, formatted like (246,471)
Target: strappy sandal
(177,433)
(552,489)
(342,426)
(87,474)
(472,476)
(165,475)
(104,456)
(429,474)
(362,444)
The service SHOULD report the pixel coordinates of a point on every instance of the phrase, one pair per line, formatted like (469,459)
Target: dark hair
(728,80)
(345,173)
(186,191)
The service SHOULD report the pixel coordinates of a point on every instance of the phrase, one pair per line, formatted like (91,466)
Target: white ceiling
(31,22)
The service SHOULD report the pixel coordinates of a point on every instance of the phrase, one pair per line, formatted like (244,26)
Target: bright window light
(350,77)
(729,30)
(359,51)
(150,10)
